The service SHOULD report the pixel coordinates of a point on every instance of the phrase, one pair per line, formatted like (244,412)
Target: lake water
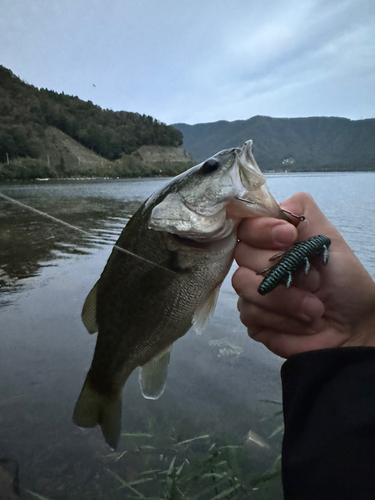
(219,384)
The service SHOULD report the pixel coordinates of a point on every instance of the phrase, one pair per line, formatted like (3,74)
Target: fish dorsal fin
(89,310)
(204,312)
(152,375)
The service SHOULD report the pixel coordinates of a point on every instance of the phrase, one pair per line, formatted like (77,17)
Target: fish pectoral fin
(153,375)
(94,409)
(89,310)
(203,314)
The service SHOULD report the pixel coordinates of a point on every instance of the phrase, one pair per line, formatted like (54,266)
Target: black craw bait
(292,260)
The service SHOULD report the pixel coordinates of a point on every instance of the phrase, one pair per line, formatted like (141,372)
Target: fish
(163,277)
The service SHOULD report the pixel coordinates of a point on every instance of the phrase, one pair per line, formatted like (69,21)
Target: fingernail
(312,307)
(283,234)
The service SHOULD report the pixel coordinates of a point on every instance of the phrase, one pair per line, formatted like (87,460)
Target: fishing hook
(300,217)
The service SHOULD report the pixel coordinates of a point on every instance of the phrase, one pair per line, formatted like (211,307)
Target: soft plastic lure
(292,260)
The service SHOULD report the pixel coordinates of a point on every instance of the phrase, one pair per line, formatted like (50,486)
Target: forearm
(329,413)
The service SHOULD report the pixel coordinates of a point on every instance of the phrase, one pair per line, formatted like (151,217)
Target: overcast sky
(197,61)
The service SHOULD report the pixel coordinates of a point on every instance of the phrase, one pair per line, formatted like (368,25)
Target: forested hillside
(293,144)
(43,133)
(26,112)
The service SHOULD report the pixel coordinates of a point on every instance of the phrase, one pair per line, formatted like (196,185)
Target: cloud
(291,64)
(198,61)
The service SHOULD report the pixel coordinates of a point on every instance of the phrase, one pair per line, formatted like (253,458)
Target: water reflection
(29,242)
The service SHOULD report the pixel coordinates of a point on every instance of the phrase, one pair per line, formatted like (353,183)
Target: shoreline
(80,178)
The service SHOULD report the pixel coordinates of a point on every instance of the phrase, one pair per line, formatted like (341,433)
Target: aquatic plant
(39,497)
(192,469)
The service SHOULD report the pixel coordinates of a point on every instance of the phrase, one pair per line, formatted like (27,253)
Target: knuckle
(240,252)
(253,331)
(245,229)
(304,197)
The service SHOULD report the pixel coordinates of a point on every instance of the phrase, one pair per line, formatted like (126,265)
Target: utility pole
(48,162)
(7,158)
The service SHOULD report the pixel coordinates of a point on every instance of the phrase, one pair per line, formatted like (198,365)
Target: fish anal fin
(94,409)
(89,310)
(204,312)
(152,375)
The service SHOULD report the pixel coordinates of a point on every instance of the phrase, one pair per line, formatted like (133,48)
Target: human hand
(333,306)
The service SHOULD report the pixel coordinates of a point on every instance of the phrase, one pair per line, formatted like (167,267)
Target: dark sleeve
(329,414)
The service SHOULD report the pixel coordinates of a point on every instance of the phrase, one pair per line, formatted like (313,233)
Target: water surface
(217,383)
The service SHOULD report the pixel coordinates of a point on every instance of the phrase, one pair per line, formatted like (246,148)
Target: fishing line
(70,226)
(39,212)
(123,250)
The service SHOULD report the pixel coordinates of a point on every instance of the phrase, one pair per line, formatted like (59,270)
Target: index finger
(267,232)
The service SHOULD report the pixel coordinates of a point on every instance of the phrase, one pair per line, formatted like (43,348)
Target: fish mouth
(253,198)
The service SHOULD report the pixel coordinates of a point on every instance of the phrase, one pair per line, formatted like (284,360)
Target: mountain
(44,133)
(293,144)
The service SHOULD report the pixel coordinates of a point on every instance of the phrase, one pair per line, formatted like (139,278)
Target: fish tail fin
(94,409)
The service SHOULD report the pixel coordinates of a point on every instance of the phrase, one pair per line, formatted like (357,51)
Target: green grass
(39,497)
(191,469)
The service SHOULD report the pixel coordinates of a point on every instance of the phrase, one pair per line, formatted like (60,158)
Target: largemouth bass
(163,276)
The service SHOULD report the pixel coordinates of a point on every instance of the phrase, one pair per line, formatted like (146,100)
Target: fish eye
(210,166)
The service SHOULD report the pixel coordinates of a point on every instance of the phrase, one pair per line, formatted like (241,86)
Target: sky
(198,61)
